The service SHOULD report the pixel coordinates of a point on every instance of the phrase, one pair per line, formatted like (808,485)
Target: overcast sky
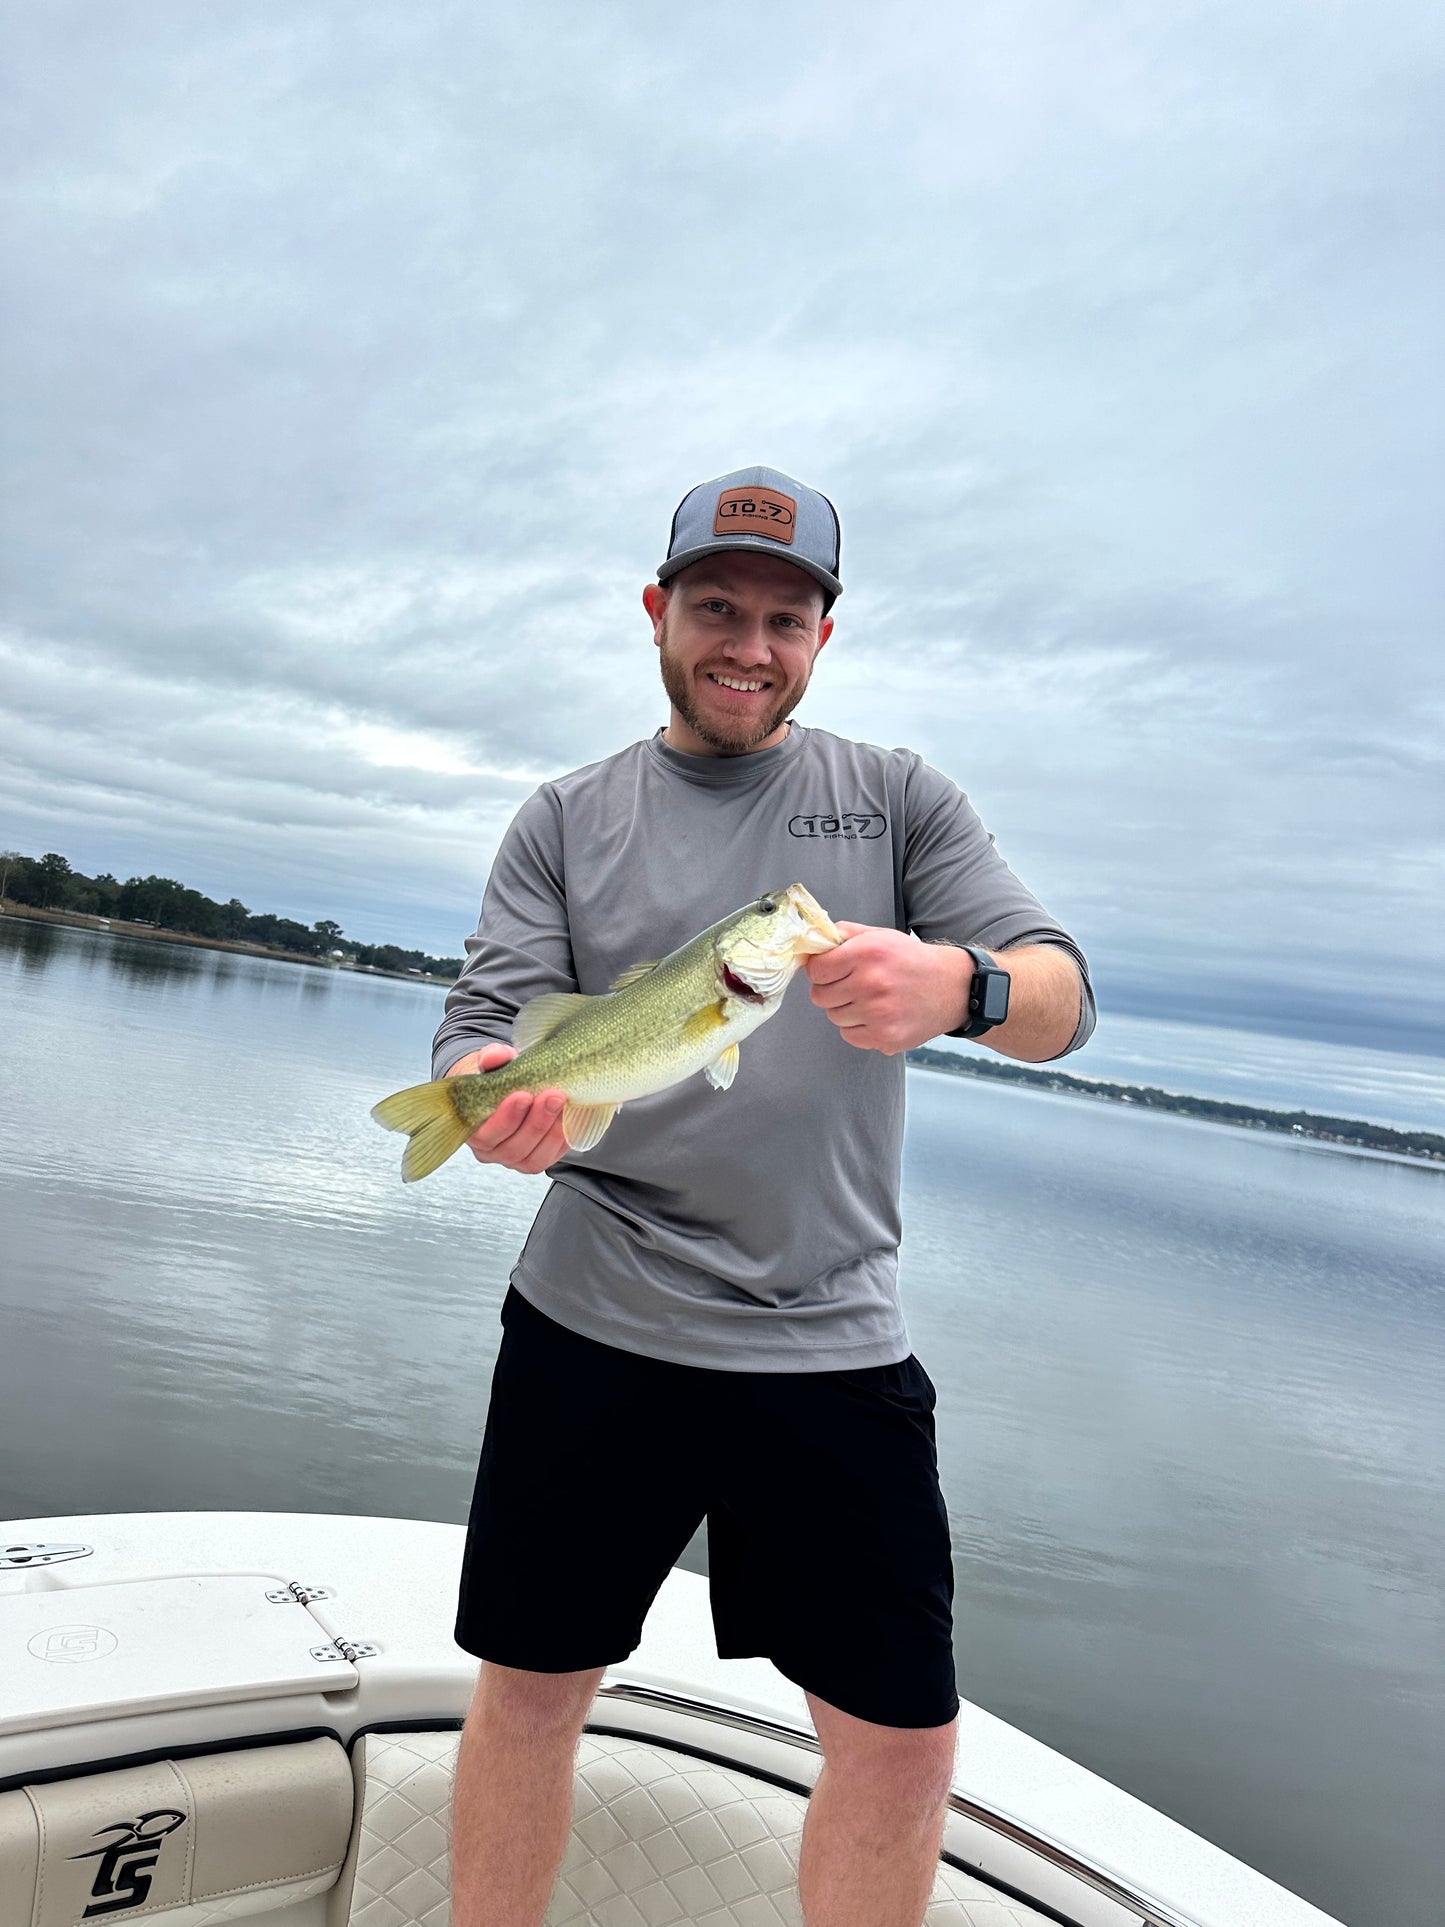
(358,355)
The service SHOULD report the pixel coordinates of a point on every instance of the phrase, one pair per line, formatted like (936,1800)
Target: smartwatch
(987,994)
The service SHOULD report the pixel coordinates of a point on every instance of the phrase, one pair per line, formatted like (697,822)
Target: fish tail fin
(428,1115)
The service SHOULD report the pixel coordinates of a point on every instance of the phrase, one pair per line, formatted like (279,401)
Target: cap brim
(753,545)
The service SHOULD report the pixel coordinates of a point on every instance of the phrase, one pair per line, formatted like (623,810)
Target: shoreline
(1344,1133)
(1418,1146)
(150,933)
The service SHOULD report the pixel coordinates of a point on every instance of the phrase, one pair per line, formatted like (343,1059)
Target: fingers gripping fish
(658,1024)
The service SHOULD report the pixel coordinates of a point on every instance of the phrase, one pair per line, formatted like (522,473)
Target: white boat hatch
(148,1645)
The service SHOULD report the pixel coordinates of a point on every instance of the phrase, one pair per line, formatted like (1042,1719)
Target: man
(704,1320)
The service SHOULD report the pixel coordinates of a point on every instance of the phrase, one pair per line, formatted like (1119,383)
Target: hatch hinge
(293,1593)
(38,1552)
(344,1649)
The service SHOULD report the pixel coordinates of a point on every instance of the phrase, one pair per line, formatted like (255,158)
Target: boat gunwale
(1152,1911)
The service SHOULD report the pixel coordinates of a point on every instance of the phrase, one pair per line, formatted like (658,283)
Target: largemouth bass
(659,1023)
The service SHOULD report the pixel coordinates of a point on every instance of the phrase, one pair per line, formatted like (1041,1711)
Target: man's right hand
(525,1130)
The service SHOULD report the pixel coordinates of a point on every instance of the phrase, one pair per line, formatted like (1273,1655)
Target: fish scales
(660,1024)
(622,1043)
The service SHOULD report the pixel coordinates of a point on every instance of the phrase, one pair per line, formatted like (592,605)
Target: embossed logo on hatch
(851,825)
(68,1644)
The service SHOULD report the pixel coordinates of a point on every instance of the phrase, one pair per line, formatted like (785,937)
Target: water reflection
(138,959)
(30,943)
(158,959)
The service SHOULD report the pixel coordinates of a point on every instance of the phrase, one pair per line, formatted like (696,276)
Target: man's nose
(749,642)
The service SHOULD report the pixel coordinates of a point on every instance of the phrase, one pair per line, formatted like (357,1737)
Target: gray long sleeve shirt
(755,1229)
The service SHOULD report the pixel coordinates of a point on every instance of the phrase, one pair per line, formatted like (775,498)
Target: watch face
(993,1001)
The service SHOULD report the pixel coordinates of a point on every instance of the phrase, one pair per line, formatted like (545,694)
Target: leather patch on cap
(756,511)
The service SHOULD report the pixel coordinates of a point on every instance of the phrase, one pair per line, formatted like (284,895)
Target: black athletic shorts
(828,1543)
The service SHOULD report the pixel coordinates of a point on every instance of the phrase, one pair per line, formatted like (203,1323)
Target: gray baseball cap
(760,509)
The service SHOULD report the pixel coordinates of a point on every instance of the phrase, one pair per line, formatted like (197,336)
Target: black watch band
(987,994)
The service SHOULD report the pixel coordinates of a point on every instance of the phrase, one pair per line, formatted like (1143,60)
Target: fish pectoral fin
(583,1124)
(540,1018)
(723,1069)
(703,1022)
(632,976)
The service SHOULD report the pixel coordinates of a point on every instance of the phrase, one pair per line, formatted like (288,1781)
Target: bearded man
(708,1297)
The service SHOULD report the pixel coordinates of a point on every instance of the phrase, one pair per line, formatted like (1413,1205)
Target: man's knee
(906,1767)
(533,1707)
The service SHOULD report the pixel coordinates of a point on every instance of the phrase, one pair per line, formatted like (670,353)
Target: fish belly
(650,1071)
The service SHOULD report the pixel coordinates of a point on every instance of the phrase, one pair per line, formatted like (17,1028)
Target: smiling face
(738,634)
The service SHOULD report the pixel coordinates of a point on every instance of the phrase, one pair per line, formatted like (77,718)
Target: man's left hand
(888,991)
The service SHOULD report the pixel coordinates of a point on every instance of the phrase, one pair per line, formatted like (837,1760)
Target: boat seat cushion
(658,1839)
(188,1842)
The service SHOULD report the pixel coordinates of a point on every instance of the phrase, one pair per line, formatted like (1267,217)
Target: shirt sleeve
(958,889)
(522,947)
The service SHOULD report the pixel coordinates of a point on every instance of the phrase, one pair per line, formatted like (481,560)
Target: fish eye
(767,906)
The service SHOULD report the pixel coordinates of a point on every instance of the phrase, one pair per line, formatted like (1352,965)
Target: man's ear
(825,629)
(654,600)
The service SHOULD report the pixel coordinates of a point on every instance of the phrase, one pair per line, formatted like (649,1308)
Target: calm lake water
(1190,1379)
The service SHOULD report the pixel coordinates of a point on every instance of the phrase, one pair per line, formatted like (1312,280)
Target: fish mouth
(757,968)
(818,932)
(737,986)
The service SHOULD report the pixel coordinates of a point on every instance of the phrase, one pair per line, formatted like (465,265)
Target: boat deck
(248,1713)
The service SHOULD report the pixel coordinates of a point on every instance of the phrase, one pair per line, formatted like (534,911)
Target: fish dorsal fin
(723,1069)
(632,976)
(542,1016)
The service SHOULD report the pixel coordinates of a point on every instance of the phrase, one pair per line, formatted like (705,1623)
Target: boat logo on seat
(123,1878)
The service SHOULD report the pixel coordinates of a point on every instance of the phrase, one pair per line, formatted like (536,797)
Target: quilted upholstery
(212,1913)
(401,1844)
(658,1840)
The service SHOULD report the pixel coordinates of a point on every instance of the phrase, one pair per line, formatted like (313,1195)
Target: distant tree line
(1330,1130)
(48,883)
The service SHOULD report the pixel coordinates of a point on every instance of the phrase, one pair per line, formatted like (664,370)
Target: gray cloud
(359,358)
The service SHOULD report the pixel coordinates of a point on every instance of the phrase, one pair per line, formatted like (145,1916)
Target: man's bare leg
(512,1800)
(875,1820)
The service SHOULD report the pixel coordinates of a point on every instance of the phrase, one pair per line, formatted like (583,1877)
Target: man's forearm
(1045,1003)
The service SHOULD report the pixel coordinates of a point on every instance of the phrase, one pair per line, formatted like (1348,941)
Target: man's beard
(743,735)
